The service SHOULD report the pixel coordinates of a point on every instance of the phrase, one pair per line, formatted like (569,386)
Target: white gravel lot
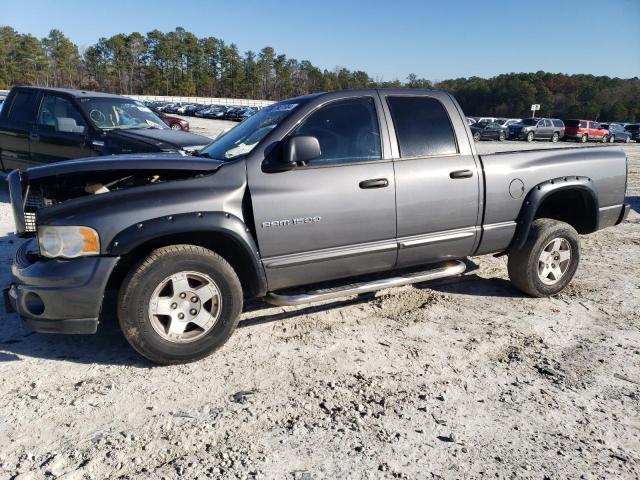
(463,378)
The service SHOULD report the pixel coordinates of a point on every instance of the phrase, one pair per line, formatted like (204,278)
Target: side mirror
(296,151)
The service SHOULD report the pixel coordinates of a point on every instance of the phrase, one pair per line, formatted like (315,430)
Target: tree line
(181,64)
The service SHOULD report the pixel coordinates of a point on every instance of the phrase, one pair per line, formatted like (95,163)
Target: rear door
(15,123)
(335,216)
(437,178)
(60,131)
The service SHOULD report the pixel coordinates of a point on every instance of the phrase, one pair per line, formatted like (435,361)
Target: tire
(476,137)
(501,137)
(175,126)
(584,138)
(555,137)
(612,139)
(530,137)
(141,293)
(605,139)
(527,270)
(627,139)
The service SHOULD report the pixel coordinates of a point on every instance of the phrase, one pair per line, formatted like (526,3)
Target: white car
(505,122)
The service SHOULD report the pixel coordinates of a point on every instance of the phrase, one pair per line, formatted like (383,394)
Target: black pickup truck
(382,185)
(44,125)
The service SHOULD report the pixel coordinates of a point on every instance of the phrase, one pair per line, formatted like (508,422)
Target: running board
(455,267)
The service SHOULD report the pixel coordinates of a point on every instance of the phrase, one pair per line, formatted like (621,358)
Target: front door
(336,216)
(60,132)
(438,181)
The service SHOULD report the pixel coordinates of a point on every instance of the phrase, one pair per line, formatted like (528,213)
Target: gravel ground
(463,378)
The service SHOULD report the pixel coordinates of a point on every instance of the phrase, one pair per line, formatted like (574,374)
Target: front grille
(32,204)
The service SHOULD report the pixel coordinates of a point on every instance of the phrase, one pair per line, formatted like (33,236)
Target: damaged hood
(161,138)
(40,188)
(136,162)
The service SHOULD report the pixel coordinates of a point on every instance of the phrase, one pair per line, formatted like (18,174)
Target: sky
(389,39)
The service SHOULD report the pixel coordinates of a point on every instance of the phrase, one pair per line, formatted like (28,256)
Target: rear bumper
(624,213)
(58,296)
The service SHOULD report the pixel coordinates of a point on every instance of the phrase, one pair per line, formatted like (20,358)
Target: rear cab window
(423,127)
(22,107)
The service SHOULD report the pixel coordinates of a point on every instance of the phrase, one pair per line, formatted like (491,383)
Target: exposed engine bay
(49,191)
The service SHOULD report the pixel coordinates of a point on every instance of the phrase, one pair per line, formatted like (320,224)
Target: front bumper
(517,134)
(58,296)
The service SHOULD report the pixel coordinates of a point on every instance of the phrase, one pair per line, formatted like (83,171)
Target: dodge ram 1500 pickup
(311,198)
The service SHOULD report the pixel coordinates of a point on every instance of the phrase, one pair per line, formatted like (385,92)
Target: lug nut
(181,316)
(193,311)
(183,295)
(174,306)
(194,299)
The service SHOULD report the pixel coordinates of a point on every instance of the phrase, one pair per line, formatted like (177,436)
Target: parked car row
(553,129)
(219,112)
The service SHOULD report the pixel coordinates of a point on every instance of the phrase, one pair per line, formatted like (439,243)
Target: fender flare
(215,222)
(539,193)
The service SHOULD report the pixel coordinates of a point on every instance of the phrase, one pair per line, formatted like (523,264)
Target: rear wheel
(612,138)
(179,304)
(605,139)
(555,137)
(530,137)
(584,138)
(476,136)
(502,136)
(547,261)
(627,139)
(175,126)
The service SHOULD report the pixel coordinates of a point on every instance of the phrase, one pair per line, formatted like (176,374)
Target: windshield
(242,139)
(529,121)
(120,113)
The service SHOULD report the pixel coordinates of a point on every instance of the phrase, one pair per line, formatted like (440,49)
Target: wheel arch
(220,232)
(573,200)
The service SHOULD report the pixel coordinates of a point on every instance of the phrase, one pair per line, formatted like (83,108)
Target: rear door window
(22,107)
(422,126)
(583,124)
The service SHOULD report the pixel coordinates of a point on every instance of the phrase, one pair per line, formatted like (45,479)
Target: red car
(174,123)
(585,130)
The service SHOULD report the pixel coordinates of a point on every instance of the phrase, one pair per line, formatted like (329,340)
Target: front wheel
(555,137)
(175,126)
(476,136)
(547,261)
(530,137)
(627,139)
(605,139)
(502,136)
(612,139)
(179,304)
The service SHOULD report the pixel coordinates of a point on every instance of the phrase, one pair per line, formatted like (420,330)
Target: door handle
(34,136)
(461,174)
(374,183)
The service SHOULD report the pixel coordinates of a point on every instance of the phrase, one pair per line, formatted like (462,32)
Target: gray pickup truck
(312,198)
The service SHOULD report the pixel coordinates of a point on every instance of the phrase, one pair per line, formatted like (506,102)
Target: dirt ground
(465,378)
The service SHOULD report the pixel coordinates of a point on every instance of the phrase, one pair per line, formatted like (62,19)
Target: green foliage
(179,63)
